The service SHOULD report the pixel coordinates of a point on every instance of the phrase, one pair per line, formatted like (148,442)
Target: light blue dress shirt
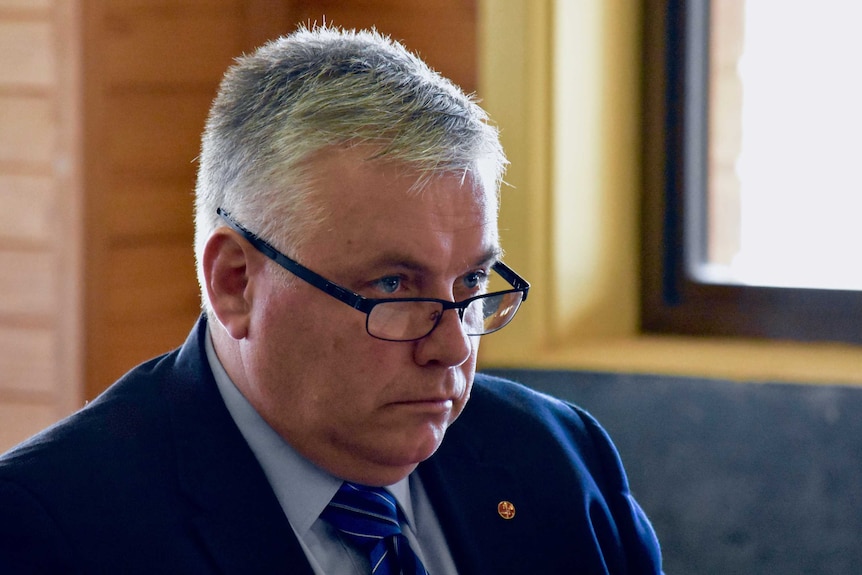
(304,490)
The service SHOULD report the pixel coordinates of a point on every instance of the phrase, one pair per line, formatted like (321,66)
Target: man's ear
(228,262)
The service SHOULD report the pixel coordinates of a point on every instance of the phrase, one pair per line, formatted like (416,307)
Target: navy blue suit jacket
(154,477)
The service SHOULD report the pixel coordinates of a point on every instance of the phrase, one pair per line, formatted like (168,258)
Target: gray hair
(325,87)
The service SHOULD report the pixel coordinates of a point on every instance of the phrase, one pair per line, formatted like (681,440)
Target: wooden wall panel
(443,32)
(28,211)
(29,371)
(137,341)
(29,129)
(28,284)
(182,48)
(150,209)
(154,71)
(171,8)
(151,281)
(26,55)
(155,133)
(25,6)
(38,245)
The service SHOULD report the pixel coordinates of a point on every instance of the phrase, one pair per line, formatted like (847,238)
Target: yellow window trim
(561,79)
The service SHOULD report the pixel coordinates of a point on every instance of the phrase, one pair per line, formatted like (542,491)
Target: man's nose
(448,344)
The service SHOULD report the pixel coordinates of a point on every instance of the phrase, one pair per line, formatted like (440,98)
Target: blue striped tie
(368,518)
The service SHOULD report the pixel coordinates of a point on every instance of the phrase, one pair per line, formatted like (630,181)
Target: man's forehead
(350,159)
(377,203)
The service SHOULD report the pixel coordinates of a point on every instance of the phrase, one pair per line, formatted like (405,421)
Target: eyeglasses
(407,319)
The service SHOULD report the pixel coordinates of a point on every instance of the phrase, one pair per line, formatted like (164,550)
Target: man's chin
(416,450)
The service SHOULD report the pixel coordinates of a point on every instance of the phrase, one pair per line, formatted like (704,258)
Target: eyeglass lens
(409,320)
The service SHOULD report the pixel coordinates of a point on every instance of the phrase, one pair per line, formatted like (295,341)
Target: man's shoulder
(508,421)
(509,413)
(105,431)
(108,468)
(495,395)
(128,412)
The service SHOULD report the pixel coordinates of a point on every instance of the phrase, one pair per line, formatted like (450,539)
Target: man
(260,445)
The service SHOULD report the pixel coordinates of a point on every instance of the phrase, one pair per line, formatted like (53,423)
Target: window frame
(675,71)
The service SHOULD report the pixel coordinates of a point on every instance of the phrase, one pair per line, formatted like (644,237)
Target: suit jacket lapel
(239,518)
(474,499)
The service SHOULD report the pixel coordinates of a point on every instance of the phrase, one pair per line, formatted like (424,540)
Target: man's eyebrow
(492,256)
(392,259)
(395,259)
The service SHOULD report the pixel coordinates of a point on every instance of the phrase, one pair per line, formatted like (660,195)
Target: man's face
(362,408)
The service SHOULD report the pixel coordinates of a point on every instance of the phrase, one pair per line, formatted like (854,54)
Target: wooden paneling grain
(171,48)
(133,342)
(155,68)
(26,54)
(155,133)
(71,189)
(27,130)
(27,360)
(151,282)
(266,20)
(28,284)
(26,280)
(17,7)
(144,209)
(194,7)
(28,209)
(443,32)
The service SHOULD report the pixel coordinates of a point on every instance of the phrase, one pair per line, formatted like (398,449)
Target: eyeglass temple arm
(350,298)
(512,277)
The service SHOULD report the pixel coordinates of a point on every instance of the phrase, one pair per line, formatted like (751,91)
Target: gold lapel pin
(506,509)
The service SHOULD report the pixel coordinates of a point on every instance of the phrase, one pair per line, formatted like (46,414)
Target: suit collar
(239,518)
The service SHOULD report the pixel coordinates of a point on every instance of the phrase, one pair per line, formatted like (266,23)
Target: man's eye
(475,279)
(389,284)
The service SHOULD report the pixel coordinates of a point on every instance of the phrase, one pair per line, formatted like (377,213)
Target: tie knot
(368,518)
(365,514)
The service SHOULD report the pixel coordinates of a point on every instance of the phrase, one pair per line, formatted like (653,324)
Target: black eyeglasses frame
(362,303)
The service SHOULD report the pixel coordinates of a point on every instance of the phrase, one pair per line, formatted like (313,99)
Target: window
(752,199)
